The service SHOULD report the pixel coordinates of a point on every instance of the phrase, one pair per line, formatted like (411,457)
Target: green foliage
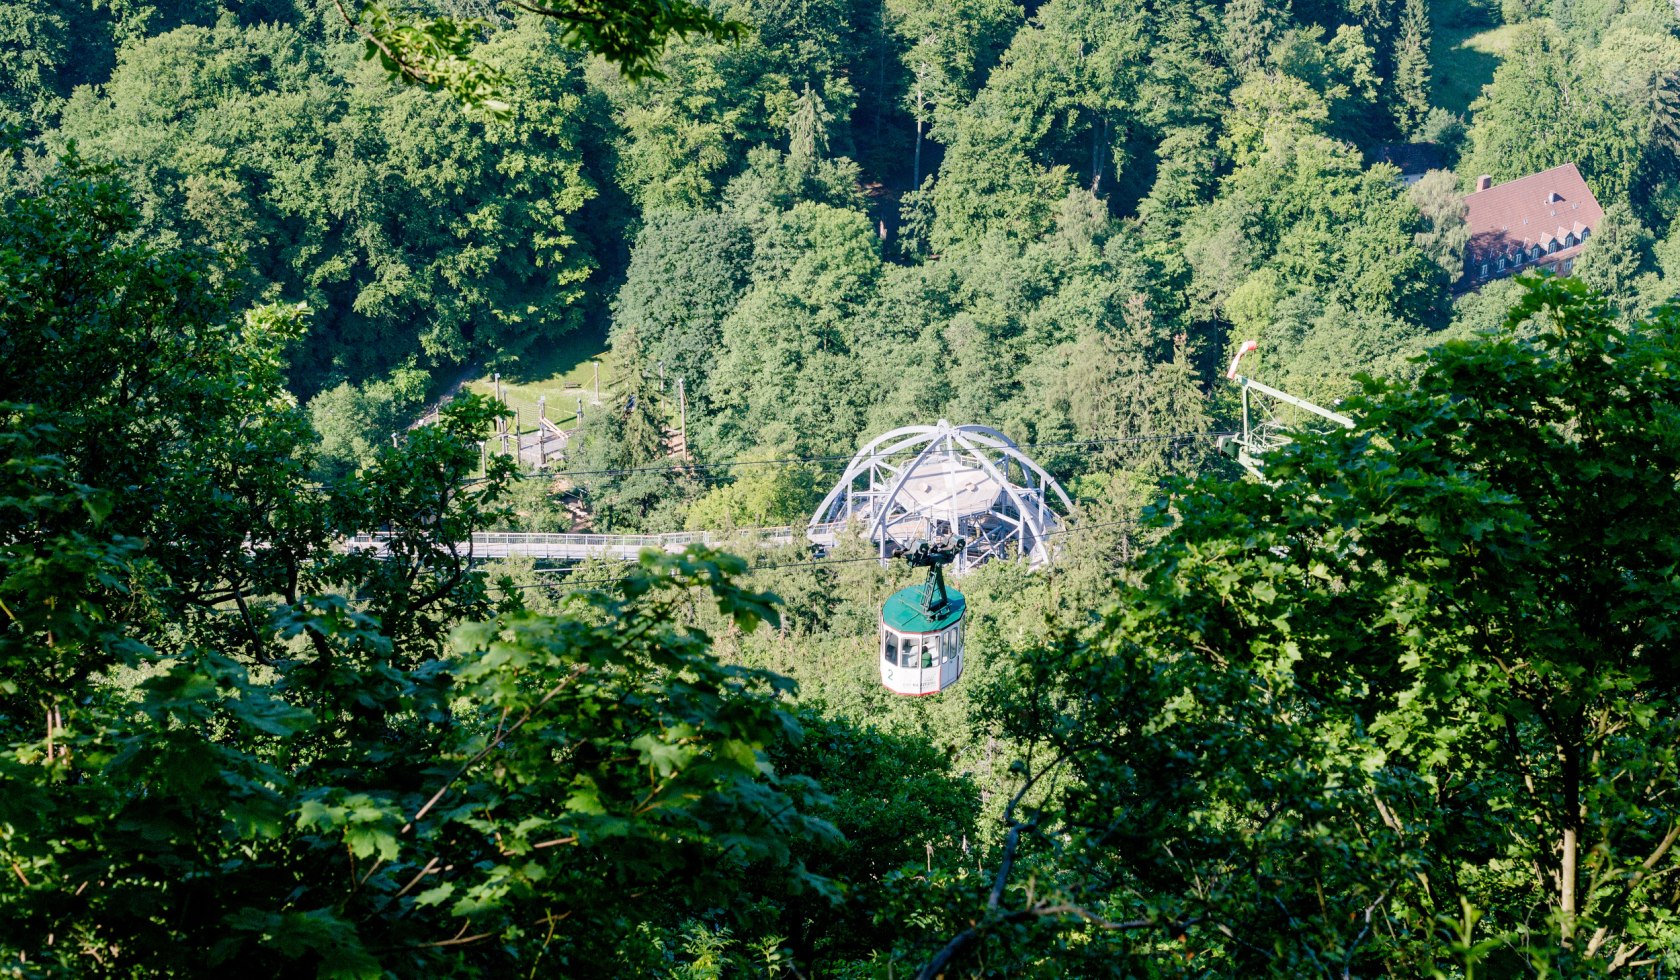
(765,496)
(620,463)
(1327,701)
(435,52)
(816,264)
(1614,257)
(1445,233)
(686,273)
(350,420)
(234,735)
(440,52)
(1411,68)
(678,154)
(1544,108)
(229,740)
(411,231)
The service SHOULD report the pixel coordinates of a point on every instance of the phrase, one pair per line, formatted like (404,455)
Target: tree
(1411,68)
(767,495)
(1667,254)
(353,422)
(786,375)
(1442,207)
(1614,256)
(1543,110)
(1329,697)
(1251,28)
(1271,110)
(440,52)
(230,740)
(808,131)
(410,229)
(630,478)
(948,46)
(687,271)
(680,141)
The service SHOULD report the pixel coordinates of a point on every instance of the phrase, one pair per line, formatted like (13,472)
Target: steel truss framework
(922,481)
(1265,426)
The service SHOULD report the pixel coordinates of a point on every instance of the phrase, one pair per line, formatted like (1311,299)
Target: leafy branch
(437,52)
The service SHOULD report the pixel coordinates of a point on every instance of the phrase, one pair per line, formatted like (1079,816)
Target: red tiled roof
(1522,213)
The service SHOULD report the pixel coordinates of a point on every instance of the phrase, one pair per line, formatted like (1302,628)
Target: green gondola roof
(906,610)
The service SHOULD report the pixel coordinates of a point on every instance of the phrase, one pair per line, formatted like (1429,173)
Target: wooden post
(542,431)
(597,382)
(682,409)
(482,470)
(580,412)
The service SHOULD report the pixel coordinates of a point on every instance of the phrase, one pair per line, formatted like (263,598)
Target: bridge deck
(578,547)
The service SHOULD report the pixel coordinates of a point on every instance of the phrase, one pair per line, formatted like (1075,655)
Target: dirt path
(467,374)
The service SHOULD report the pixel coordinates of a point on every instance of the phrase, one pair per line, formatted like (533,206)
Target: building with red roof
(1541,221)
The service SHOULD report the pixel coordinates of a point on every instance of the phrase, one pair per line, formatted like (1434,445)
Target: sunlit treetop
(437,51)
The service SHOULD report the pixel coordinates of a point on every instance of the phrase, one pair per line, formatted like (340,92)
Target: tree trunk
(1567,902)
(916,183)
(880,70)
(1096,165)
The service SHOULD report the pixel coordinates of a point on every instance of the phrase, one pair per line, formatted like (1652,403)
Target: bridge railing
(540,544)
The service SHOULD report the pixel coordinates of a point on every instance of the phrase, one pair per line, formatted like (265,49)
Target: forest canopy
(1402,705)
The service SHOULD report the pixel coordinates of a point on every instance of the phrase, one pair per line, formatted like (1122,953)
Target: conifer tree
(1411,68)
(1612,258)
(1251,27)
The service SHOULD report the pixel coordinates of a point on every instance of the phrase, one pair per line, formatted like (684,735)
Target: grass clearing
(562,372)
(1465,50)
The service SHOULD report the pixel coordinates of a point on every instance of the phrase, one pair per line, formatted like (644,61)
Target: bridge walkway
(581,547)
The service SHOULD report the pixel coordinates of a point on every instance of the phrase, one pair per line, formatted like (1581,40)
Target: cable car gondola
(922,625)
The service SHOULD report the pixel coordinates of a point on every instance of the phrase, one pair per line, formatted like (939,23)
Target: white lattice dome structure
(923,481)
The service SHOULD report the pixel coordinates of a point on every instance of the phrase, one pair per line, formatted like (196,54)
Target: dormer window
(1585,232)
(1554,198)
(1551,246)
(1569,240)
(1484,270)
(1502,263)
(1535,253)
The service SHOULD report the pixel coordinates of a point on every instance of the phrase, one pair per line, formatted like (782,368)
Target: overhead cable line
(567,584)
(794,460)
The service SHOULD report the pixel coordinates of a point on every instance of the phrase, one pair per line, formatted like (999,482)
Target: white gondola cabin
(922,628)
